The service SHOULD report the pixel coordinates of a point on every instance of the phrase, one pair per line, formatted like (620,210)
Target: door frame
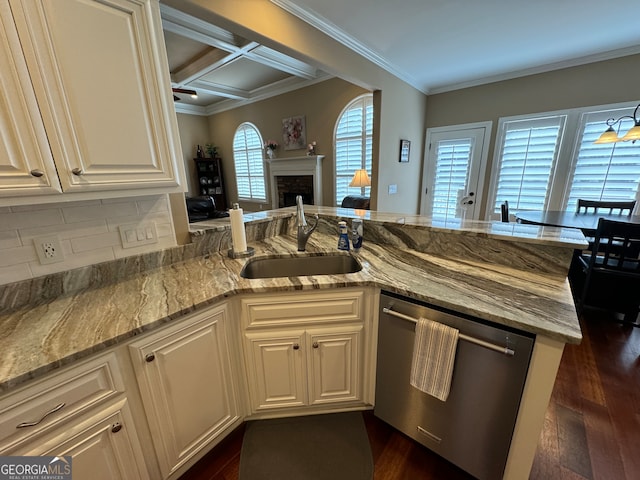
(484,155)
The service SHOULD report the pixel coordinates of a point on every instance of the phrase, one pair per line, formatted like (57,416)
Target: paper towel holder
(250,251)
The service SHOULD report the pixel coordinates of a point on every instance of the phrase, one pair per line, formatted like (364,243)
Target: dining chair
(612,270)
(599,206)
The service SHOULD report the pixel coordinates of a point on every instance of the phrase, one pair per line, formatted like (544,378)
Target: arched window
(249,162)
(353,140)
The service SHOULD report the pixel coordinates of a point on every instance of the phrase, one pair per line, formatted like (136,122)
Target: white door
(453,171)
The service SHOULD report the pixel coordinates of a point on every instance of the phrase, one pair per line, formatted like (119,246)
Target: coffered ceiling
(224,69)
(434,45)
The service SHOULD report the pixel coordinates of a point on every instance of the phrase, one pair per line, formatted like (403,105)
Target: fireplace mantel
(297,166)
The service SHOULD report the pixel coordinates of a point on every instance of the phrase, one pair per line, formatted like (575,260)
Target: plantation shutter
(452,170)
(249,163)
(354,133)
(609,171)
(527,157)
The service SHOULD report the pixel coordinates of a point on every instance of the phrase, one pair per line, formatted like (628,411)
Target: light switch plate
(393,189)
(138,234)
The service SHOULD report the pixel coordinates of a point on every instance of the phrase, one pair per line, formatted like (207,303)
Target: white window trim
(335,132)
(565,162)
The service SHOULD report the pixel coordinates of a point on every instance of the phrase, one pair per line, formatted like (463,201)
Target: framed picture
(294,133)
(405,145)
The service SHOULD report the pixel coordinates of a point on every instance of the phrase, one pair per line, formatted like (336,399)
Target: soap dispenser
(343,239)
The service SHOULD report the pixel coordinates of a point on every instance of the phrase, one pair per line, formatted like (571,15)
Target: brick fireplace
(296,176)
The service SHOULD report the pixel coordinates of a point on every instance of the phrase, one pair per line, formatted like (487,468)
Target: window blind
(609,171)
(249,163)
(527,156)
(452,166)
(353,144)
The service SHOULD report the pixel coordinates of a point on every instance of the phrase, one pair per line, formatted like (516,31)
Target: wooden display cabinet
(210,180)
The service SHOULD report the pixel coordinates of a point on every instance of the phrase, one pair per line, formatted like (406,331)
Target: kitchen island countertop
(41,336)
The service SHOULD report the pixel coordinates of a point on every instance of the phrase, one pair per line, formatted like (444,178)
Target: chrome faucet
(301,221)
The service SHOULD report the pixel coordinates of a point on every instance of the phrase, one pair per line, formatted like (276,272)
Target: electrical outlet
(48,249)
(393,189)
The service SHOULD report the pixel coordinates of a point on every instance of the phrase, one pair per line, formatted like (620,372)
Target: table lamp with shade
(360,179)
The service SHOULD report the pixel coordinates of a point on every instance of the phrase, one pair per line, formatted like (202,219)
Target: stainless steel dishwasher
(473,428)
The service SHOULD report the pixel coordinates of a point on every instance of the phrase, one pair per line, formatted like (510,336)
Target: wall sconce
(360,179)
(193,93)
(610,135)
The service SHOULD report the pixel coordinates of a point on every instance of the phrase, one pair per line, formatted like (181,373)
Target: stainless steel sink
(332,264)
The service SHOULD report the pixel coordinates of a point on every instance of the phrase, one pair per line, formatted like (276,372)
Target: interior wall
(194,131)
(320,104)
(402,107)
(600,83)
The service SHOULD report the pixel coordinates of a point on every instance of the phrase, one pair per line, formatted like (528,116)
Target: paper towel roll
(238,236)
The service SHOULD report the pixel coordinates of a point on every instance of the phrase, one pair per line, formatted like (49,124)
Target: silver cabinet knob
(116,427)
(296,346)
(36,172)
(149,357)
(315,345)
(77,171)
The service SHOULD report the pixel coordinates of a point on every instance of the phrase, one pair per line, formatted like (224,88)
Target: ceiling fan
(193,93)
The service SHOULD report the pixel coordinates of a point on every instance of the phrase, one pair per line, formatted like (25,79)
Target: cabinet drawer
(303,308)
(37,408)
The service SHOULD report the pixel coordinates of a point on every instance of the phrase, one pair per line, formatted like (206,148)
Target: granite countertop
(41,336)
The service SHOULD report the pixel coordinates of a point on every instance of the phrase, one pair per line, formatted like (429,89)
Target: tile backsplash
(88,233)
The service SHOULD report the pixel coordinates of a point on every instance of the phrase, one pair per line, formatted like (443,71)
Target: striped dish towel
(434,352)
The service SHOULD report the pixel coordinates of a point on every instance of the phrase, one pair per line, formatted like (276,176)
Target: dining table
(587,222)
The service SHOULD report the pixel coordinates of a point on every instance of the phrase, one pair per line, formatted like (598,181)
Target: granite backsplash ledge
(39,290)
(470,242)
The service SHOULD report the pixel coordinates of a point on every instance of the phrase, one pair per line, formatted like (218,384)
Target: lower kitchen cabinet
(298,368)
(81,411)
(185,378)
(307,349)
(102,447)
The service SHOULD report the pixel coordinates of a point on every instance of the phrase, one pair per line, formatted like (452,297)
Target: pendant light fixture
(610,135)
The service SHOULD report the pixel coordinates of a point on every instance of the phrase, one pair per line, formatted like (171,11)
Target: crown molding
(319,22)
(549,67)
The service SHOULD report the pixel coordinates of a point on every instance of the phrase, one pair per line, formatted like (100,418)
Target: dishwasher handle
(491,346)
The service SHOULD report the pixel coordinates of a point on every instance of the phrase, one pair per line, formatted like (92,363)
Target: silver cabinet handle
(36,172)
(149,357)
(296,346)
(33,424)
(116,427)
(315,345)
(77,171)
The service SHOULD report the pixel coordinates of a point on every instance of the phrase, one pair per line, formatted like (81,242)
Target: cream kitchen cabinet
(88,104)
(298,368)
(83,412)
(185,377)
(307,349)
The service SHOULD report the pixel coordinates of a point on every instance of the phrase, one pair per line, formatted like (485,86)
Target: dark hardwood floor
(591,431)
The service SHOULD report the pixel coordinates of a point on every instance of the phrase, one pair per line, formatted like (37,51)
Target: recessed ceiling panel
(181,51)
(244,74)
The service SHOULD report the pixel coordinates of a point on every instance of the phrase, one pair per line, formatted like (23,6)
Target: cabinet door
(277,369)
(102,83)
(104,447)
(186,384)
(26,164)
(335,364)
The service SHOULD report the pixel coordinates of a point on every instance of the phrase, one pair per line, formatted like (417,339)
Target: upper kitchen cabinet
(104,111)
